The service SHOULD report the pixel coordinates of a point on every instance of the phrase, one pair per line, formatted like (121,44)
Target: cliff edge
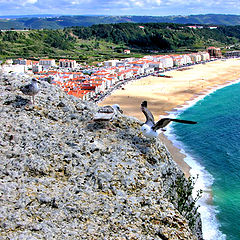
(64,176)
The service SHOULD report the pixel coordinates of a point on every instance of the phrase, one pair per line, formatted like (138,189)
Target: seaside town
(120,120)
(96,82)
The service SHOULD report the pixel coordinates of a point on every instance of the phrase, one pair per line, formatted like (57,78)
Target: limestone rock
(65,177)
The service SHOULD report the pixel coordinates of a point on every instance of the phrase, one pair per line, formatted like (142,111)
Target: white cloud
(77,2)
(139,3)
(30,1)
(21,2)
(119,7)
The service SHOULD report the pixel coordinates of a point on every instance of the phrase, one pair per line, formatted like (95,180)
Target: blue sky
(119,7)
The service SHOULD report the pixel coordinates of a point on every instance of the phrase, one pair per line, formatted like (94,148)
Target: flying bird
(31,89)
(151,129)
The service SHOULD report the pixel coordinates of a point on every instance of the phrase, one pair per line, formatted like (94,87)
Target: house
(192,27)
(127,51)
(195,27)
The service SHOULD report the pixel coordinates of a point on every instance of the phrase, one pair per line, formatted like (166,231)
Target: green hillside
(106,41)
(161,36)
(35,44)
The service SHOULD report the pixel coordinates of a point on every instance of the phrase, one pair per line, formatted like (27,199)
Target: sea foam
(204,179)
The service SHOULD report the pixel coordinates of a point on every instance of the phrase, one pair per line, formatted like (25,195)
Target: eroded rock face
(64,176)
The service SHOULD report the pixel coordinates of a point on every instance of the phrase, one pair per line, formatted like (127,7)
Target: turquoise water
(213,150)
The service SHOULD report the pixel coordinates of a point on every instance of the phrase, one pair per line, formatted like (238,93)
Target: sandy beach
(166,94)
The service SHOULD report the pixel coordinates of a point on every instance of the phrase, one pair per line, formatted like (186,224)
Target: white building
(9,61)
(14,68)
(187,59)
(111,63)
(167,61)
(66,63)
(137,71)
(129,73)
(195,57)
(37,68)
(142,64)
(205,56)
(178,61)
(150,58)
(149,70)
(156,65)
(47,62)
(22,61)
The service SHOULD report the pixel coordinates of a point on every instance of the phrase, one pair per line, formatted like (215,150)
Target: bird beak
(36,80)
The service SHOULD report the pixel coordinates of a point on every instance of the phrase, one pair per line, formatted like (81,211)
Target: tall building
(47,62)
(66,63)
(214,52)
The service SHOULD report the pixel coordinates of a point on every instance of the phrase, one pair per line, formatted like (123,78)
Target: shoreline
(170,96)
(175,151)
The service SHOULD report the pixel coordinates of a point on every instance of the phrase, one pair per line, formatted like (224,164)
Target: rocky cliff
(64,176)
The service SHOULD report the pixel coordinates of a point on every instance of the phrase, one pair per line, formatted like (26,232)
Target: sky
(119,7)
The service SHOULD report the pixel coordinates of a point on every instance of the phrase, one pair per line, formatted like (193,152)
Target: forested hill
(59,22)
(160,36)
(107,41)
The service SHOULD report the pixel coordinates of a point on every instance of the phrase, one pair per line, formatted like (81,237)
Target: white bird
(151,129)
(31,89)
(106,113)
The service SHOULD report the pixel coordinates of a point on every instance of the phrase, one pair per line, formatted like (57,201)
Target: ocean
(212,149)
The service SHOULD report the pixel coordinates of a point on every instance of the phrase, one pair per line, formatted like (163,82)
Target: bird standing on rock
(31,89)
(151,129)
(106,113)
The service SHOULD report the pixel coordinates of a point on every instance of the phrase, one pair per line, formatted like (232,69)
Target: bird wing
(104,113)
(147,113)
(183,121)
(26,89)
(161,123)
(117,107)
(165,121)
(106,109)
(103,116)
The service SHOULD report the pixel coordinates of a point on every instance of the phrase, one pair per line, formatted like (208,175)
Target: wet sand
(166,94)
